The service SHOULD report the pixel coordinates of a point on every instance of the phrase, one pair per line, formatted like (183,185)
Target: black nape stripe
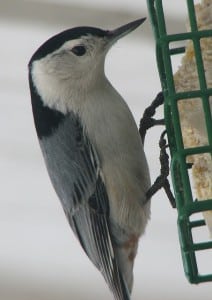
(46,119)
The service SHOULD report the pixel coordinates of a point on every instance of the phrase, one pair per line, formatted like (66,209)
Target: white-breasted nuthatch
(92,149)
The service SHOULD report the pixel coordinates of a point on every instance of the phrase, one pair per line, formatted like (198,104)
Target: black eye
(78,50)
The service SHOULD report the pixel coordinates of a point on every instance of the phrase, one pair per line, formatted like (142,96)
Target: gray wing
(74,170)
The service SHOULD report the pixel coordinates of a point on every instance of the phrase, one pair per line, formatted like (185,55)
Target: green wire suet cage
(187,205)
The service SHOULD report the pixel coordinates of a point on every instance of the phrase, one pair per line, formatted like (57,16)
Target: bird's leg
(162,180)
(147,120)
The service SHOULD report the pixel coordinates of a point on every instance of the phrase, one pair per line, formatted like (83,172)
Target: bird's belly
(126,190)
(114,134)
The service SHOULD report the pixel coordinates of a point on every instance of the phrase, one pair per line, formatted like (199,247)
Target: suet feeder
(188,121)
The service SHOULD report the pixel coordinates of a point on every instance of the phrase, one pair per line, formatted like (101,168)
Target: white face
(72,69)
(75,71)
(76,58)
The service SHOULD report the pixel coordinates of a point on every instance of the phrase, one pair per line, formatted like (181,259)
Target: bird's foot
(147,120)
(162,180)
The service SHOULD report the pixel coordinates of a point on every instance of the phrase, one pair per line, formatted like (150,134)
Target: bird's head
(75,57)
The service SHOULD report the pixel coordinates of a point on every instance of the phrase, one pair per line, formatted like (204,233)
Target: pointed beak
(116,34)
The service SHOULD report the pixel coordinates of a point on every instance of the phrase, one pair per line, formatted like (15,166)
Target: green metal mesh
(187,205)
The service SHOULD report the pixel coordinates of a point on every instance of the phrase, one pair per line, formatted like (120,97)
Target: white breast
(113,131)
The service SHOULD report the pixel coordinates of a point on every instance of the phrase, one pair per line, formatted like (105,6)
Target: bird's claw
(162,180)
(147,120)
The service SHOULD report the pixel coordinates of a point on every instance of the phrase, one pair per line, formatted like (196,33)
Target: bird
(92,148)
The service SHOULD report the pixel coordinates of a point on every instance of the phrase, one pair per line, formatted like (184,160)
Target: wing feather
(74,169)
